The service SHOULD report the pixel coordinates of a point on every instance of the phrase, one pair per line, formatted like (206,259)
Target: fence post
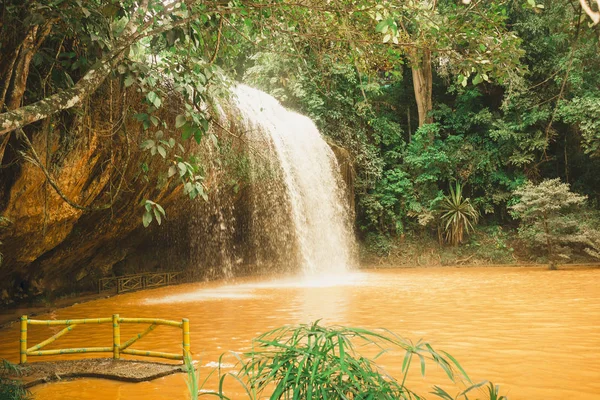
(185,326)
(116,337)
(23,341)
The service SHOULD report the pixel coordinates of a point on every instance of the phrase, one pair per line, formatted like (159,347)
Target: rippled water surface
(534,332)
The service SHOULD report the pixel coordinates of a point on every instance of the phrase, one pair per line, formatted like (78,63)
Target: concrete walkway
(36,373)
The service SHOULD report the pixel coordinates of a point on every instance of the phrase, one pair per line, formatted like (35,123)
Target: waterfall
(300,207)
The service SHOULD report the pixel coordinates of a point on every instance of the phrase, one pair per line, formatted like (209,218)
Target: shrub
(378,244)
(491,243)
(547,217)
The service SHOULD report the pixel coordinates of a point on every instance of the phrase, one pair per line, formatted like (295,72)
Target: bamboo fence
(117,348)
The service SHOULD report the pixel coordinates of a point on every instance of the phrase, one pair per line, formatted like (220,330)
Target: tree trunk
(16,73)
(549,243)
(20,117)
(21,70)
(63,100)
(423,84)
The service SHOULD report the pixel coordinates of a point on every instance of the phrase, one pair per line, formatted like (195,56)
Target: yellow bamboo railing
(117,348)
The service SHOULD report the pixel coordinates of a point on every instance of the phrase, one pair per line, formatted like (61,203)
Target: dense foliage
(422,94)
(493,125)
(552,219)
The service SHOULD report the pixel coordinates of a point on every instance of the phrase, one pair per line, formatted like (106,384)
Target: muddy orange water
(534,332)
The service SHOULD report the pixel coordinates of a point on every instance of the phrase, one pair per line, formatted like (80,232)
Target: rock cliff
(93,156)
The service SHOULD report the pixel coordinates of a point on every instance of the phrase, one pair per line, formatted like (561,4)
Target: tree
(341,62)
(585,5)
(468,42)
(594,15)
(70,48)
(546,214)
(109,31)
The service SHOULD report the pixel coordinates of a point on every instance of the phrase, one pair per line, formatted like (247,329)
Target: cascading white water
(312,185)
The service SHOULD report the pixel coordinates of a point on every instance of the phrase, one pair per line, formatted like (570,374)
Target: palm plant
(457,215)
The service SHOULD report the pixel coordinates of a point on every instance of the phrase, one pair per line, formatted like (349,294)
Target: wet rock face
(93,154)
(38,222)
(347,171)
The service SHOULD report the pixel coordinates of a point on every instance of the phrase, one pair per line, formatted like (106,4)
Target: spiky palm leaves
(457,215)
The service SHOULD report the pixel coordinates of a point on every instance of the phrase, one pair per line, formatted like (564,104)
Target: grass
(10,388)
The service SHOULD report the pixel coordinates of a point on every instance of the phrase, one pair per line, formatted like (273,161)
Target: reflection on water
(534,332)
(242,291)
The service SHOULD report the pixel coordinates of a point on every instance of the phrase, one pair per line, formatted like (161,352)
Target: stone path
(121,370)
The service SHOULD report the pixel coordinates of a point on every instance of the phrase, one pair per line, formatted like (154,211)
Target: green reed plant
(11,388)
(193,377)
(193,382)
(494,392)
(318,362)
(312,361)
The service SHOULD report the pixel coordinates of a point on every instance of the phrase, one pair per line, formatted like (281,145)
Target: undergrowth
(486,245)
(11,387)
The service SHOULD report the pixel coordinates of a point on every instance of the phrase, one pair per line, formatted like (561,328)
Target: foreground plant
(193,379)
(11,388)
(318,362)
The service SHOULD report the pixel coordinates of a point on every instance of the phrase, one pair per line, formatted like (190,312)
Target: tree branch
(594,15)
(68,98)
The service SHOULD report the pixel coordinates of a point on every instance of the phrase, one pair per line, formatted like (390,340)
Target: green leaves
(190,174)
(457,216)
(180,121)
(583,112)
(129,80)
(147,119)
(317,362)
(389,29)
(154,99)
(190,130)
(158,145)
(382,26)
(11,385)
(547,212)
(193,124)
(534,5)
(152,211)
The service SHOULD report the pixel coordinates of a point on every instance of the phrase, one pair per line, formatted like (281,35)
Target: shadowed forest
(445,109)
